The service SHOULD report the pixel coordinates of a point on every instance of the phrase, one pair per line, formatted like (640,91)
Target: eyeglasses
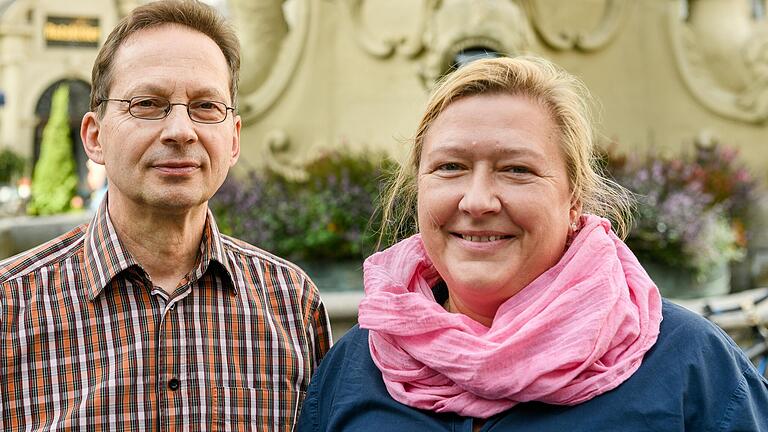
(158,108)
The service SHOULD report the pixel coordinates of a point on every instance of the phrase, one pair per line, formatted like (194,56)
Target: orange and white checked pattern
(88,343)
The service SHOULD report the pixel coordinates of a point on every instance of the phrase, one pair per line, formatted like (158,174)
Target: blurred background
(332,90)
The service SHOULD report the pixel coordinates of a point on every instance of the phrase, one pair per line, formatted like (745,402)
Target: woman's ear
(89,134)
(575,212)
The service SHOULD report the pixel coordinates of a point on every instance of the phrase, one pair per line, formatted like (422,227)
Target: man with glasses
(148,318)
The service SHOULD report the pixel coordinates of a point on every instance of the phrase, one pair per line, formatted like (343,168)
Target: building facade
(45,43)
(356,73)
(325,73)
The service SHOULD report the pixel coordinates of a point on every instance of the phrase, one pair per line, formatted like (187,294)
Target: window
(466,56)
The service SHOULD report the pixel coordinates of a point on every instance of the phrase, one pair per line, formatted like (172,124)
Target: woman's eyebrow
(463,149)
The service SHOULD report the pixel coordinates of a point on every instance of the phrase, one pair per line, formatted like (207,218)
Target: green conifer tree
(54,180)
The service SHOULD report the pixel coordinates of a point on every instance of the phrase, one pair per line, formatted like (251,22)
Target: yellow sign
(72,31)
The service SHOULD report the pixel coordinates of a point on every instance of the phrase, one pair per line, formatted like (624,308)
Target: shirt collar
(105,257)
(212,250)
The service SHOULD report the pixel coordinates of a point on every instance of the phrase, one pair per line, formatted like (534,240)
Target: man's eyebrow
(147,89)
(150,89)
(207,92)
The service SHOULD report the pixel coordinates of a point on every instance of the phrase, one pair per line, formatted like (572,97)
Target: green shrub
(325,217)
(692,208)
(54,180)
(11,166)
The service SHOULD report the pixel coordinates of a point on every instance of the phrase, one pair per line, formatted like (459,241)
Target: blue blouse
(695,378)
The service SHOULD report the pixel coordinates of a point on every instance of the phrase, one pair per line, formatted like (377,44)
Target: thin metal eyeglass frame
(170,107)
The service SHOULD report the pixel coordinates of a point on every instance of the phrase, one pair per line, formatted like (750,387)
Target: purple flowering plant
(324,216)
(692,209)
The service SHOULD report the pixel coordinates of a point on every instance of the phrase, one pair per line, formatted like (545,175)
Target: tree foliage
(54,180)
(11,166)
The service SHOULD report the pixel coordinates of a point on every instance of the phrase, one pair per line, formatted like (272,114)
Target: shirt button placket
(174,384)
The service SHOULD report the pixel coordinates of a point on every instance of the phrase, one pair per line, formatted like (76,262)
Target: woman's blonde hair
(566,98)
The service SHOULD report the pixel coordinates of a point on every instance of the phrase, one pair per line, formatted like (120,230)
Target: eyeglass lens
(155,108)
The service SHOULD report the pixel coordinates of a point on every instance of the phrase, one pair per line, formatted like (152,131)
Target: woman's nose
(480,196)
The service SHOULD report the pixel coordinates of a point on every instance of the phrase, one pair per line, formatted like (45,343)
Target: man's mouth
(177,167)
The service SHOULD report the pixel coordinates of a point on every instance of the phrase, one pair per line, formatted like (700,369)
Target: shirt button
(173,384)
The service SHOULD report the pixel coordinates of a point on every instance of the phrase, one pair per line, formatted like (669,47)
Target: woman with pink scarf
(516,307)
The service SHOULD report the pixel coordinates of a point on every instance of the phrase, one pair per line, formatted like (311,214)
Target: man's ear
(89,133)
(235,152)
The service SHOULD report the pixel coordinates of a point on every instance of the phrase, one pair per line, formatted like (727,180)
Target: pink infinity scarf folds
(577,331)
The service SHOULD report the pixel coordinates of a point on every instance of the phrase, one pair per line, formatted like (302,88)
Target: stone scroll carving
(721,52)
(613,14)
(409,45)
(271,50)
(124,7)
(497,25)
(446,27)
(277,158)
(262,29)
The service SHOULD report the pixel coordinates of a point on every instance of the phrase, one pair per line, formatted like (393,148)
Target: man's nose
(178,128)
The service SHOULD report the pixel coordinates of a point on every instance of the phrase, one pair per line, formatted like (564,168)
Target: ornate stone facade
(326,73)
(721,49)
(357,72)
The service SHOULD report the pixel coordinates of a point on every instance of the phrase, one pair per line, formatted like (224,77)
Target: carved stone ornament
(271,50)
(498,25)
(277,158)
(612,15)
(445,28)
(721,51)
(124,7)
(408,45)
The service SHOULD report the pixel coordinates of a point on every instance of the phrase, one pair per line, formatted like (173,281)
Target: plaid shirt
(88,343)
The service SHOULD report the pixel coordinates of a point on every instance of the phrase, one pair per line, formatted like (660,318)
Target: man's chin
(175,202)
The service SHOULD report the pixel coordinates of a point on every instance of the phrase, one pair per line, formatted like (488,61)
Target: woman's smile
(482,243)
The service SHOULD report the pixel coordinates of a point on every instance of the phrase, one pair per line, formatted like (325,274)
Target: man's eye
(148,103)
(206,105)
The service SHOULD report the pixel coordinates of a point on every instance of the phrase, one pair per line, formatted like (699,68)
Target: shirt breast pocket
(255,409)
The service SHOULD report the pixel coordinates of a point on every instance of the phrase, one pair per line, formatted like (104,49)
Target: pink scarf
(577,331)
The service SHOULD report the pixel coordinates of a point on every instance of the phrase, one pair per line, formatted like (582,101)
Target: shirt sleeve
(747,409)
(318,325)
(333,372)
(704,373)
(724,389)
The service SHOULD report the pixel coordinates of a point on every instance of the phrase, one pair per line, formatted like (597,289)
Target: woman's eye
(518,170)
(450,166)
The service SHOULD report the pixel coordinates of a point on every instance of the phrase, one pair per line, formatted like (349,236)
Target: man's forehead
(167,41)
(160,32)
(153,59)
